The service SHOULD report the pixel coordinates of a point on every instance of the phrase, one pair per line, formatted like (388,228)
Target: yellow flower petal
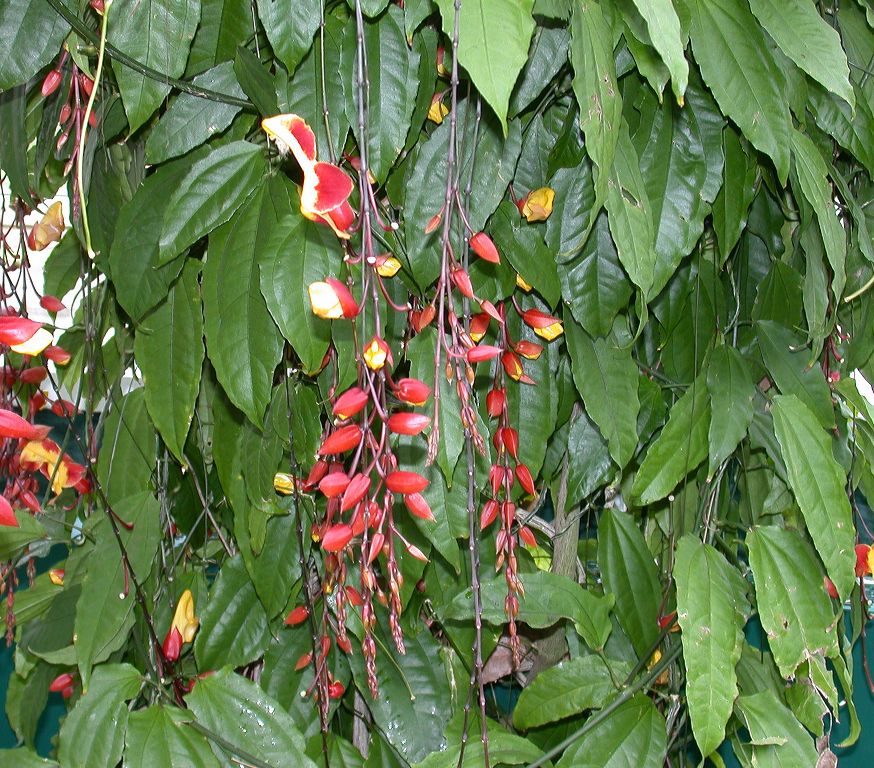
(387,266)
(550,332)
(184,619)
(35,344)
(324,301)
(437,111)
(538,204)
(520,282)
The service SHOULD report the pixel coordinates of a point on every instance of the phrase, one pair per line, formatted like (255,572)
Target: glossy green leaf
(794,609)
(492,46)
(224,24)
(606,377)
(246,718)
(392,87)
(276,568)
(818,482)
(851,129)
(597,92)
(569,688)
(546,56)
(568,228)
(284,283)
(679,449)
(734,199)
(209,194)
(634,734)
(169,351)
(735,62)
(594,281)
(732,390)
(93,733)
(12,159)
(105,610)
(302,94)
(548,599)
(630,214)
(15,538)
(588,460)
(31,34)
(127,456)
(290,28)
(63,266)
(809,40)
(191,120)
(233,625)
(712,610)
(157,33)
(158,737)
(789,364)
(242,340)
(412,723)
(140,281)
(22,757)
(776,736)
(630,575)
(812,175)
(664,32)
(256,80)
(504,749)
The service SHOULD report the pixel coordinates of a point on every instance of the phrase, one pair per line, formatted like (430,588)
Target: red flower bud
(508,513)
(862,559)
(406,482)
(830,588)
(512,365)
(412,391)
(523,475)
(303,662)
(354,597)
(65,114)
(510,439)
(334,484)
(462,282)
(298,616)
(56,355)
(482,246)
(528,349)
(375,547)
(418,506)
(496,399)
(342,440)
(63,408)
(356,490)
(496,478)
(33,375)
(16,330)
(12,425)
(350,402)
(421,318)
(434,222)
(344,645)
(482,353)
(408,423)
(60,682)
(51,303)
(527,536)
(51,82)
(336,690)
(7,515)
(488,515)
(336,537)
(86,83)
(172,645)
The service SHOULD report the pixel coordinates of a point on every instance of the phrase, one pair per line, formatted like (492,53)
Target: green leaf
(606,377)
(569,227)
(192,120)
(169,350)
(548,599)
(284,283)
(588,461)
(809,40)
(238,711)
(22,757)
(736,64)
(812,175)
(794,609)
(412,723)
(734,199)
(31,34)
(209,194)
(127,455)
(26,697)
(275,568)
(157,33)
(547,55)
(256,81)
(302,94)
(93,732)
(776,736)
(712,609)
(14,538)
(677,155)
(630,575)
(63,266)
(290,28)
(504,749)
(242,340)
(789,365)
(492,45)
(233,624)
(679,449)
(224,24)
(634,734)
(818,482)
(12,160)
(158,737)
(630,215)
(566,689)
(594,282)
(105,609)
(852,130)
(523,247)
(732,390)
(597,92)
(664,32)
(392,88)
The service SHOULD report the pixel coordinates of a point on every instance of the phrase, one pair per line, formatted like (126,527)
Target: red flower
(408,423)
(297,616)
(344,439)
(334,484)
(336,537)
(406,482)
(418,506)
(12,425)
(412,391)
(355,491)
(482,246)
(350,402)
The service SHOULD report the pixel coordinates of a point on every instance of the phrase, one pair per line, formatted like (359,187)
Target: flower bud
(408,423)
(297,616)
(341,440)
(523,475)
(51,82)
(355,491)
(482,353)
(417,505)
(481,244)
(334,484)
(336,537)
(462,282)
(405,482)
(350,403)
(412,391)
(496,400)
